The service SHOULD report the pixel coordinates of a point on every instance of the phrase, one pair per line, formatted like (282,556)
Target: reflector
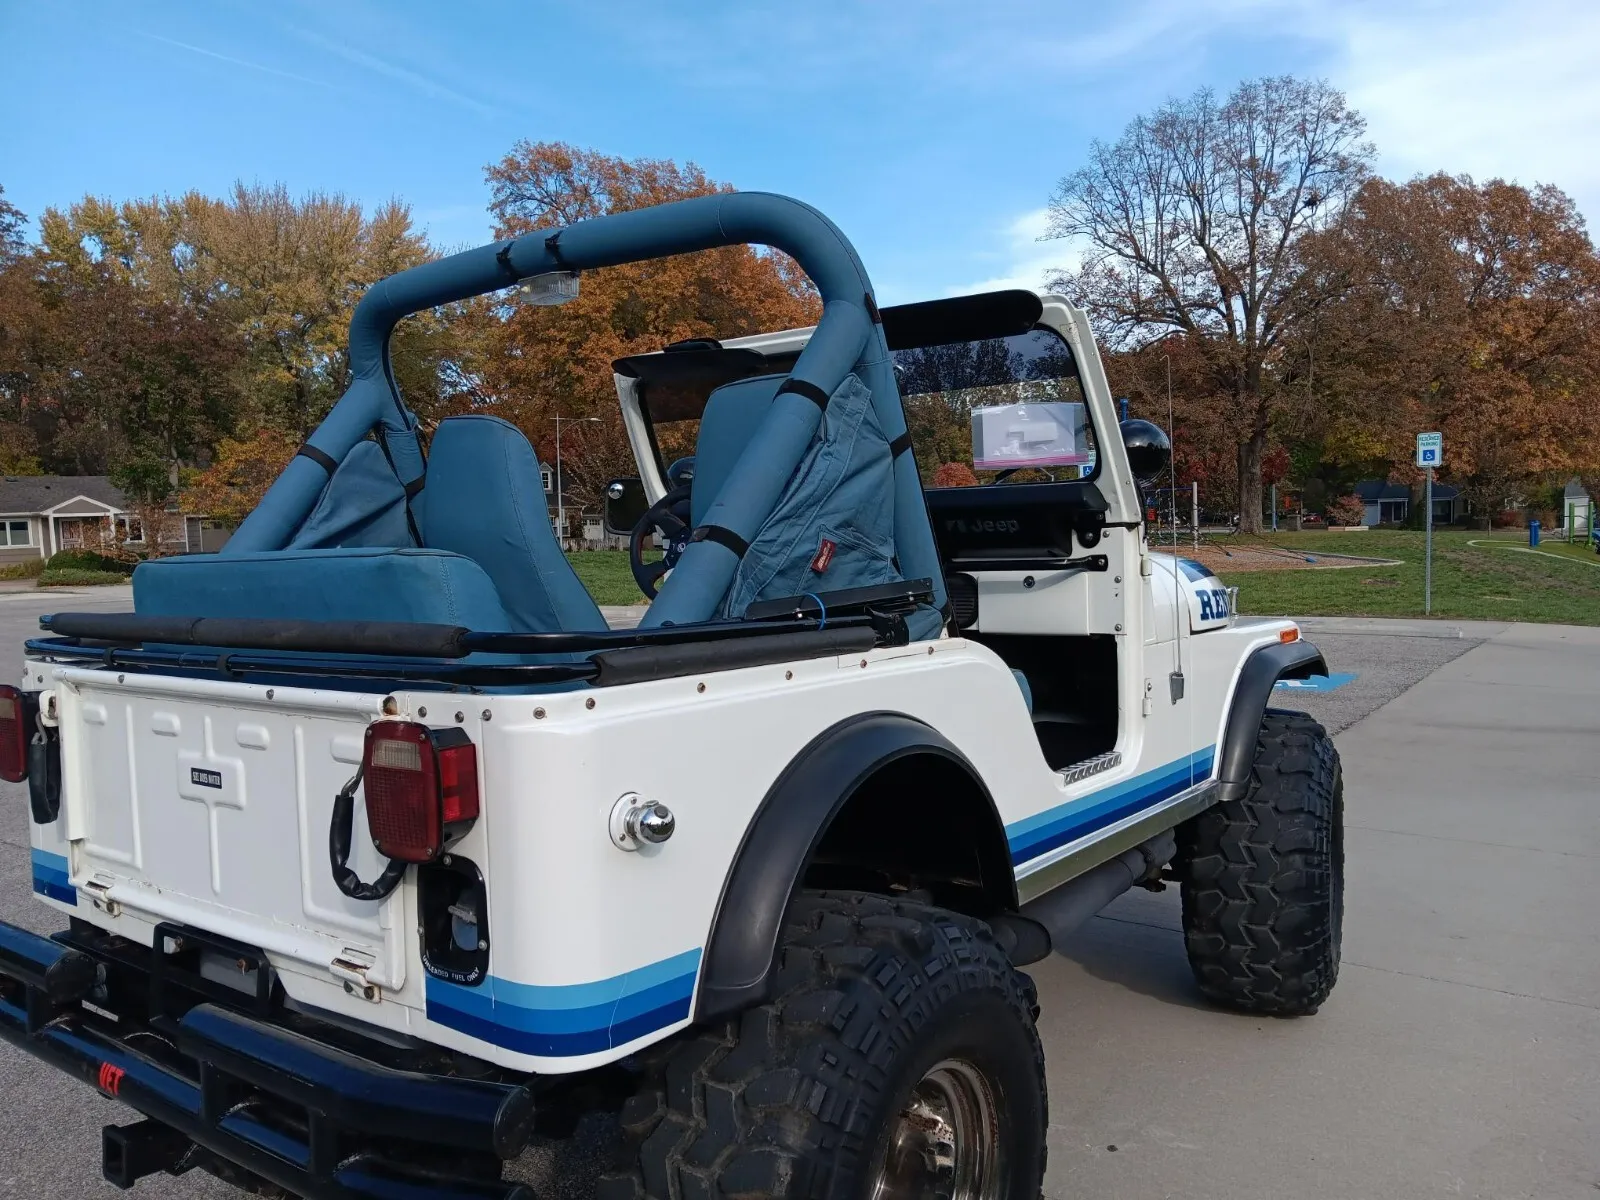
(13,735)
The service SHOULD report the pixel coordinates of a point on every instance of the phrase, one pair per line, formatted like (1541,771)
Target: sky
(932,132)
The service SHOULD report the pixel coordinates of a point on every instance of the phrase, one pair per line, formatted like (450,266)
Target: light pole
(561,509)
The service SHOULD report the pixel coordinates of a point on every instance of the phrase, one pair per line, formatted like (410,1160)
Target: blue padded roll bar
(846,338)
(698,224)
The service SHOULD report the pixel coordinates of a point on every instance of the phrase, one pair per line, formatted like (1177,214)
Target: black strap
(900,445)
(872,310)
(503,257)
(722,536)
(324,460)
(809,390)
(552,247)
(416,485)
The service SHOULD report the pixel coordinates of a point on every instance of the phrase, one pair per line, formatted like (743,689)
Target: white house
(42,514)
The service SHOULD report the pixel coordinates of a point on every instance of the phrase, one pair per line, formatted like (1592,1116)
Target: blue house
(1390,503)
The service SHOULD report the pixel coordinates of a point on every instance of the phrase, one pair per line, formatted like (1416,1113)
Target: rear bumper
(227,1091)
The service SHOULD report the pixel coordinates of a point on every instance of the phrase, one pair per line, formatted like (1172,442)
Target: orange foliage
(239,475)
(540,362)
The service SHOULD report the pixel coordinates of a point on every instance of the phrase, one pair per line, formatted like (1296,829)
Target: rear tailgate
(207,804)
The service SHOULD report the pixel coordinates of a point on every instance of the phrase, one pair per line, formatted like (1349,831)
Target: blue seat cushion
(485,500)
(345,584)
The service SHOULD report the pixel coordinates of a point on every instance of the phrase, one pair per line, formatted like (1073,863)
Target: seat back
(833,526)
(732,415)
(485,500)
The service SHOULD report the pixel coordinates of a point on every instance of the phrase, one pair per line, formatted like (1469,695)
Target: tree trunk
(1250,454)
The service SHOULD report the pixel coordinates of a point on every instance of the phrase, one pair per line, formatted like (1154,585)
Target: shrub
(1347,510)
(87,560)
(954,474)
(26,569)
(79,577)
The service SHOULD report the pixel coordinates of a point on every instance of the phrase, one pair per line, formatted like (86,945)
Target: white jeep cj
(380,852)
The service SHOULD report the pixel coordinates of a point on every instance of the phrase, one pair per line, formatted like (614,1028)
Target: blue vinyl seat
(485,500)
(489,559)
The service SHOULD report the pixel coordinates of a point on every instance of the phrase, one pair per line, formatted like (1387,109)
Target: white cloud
(1502,88)
(1490,88)
(1021,259)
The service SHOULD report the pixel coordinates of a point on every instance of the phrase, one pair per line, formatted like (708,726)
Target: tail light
(13,734)
(421,786)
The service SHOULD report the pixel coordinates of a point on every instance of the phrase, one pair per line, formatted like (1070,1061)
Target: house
(43,514)
(1390,503)
(1576,508)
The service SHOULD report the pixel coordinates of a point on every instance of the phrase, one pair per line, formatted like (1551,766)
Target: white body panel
(595,950)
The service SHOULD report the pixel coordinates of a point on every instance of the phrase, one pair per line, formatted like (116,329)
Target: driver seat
(485,501)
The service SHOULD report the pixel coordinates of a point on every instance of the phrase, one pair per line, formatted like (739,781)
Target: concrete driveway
(1458,1057)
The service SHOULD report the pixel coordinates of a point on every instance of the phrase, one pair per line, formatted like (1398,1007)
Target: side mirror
(625,504)
(1149,449)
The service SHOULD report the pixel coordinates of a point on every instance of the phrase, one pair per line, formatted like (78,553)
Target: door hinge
(1148,706)
(350,968)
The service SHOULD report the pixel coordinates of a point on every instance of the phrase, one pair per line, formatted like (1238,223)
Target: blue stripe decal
(50,877)
(570,1019)
(1044,832)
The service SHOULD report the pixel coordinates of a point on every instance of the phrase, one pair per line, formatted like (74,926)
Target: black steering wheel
(669,516)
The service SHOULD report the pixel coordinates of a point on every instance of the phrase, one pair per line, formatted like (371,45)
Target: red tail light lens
(13,734)
(421,788)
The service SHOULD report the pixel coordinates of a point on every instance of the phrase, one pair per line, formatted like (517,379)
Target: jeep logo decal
(199,775)
(983,525)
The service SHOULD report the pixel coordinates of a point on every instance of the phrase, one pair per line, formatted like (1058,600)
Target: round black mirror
(1149,449)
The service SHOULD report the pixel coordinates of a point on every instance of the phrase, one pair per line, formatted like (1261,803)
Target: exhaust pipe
(1062,911)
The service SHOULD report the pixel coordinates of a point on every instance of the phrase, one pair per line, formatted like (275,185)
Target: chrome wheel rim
(945,1143)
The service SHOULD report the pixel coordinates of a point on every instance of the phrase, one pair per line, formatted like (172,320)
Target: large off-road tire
(1263,877)
(896,1058)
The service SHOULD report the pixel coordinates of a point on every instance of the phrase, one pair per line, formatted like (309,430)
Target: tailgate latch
(350,967)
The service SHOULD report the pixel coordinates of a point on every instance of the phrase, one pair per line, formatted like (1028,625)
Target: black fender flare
(784,833)
(1263,668)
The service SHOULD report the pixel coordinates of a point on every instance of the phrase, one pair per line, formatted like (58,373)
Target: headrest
(732,415)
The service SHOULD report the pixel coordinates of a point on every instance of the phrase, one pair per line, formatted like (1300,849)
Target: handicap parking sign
(1430,449)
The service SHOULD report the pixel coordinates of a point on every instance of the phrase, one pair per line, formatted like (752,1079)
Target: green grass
(1482,582)
(78,577)
(607,575)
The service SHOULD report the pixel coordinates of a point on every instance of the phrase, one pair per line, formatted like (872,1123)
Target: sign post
(1430,456)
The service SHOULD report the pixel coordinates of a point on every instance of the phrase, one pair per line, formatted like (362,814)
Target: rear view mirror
(625,504)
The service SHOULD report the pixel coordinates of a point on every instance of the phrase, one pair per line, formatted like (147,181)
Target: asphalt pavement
(1459,1055)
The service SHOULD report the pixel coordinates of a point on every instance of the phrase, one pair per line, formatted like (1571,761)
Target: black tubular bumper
(233,1092)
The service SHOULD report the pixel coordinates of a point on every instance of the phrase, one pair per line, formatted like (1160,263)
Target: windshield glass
(1006,410)
(1002,410)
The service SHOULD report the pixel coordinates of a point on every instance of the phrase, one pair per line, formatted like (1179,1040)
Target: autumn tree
(284,274)
(240,472)
(1472,309)
(1192,223)
(20,320)
(533,363)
